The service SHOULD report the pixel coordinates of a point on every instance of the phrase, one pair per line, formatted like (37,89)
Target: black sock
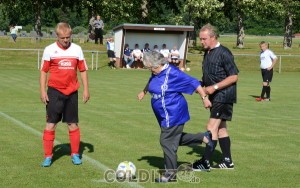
(225,147)
(110,63)
(263,91)
(268,91)
(208,153)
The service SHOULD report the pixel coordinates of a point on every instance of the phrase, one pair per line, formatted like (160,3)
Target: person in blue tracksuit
(166,86)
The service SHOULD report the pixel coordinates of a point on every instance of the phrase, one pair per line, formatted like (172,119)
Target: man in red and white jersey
(60,63)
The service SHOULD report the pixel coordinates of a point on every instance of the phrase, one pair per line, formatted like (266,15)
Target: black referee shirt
(217,65)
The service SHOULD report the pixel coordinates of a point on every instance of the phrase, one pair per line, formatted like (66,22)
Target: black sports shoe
(209,138)
(224,165)
(201,165)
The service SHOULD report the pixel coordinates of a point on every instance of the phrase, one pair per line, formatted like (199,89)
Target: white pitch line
(85,157)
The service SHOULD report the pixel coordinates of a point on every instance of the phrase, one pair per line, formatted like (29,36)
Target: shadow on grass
(158,162)
(199,151)
(254,96)
(61,150)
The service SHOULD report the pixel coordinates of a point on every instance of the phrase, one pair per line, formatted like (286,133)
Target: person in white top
(13,32)
(137,55)
(155,48)
(165,51)
(174,55)
(110,46)
(267,61)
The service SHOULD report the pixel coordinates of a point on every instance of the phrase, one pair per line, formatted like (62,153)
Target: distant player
(267,61)
(110,46)
(61,60)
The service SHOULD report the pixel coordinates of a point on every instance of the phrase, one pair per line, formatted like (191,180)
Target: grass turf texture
(116,127)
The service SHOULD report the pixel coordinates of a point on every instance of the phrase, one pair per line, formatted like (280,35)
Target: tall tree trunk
(37,16)
(240,32)
(144,11)
(287,41)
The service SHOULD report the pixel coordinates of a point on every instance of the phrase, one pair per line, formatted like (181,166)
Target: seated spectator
(174,55)
(137,55)
(155,48)
(128,58)
(146,48)
(166,52)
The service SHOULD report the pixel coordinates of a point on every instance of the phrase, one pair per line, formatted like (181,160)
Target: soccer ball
(126,170)
(188,69)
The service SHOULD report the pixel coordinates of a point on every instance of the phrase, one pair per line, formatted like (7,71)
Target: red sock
(74,141)
(48,140)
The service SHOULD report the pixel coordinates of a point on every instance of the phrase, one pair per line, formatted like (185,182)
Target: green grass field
(116,127)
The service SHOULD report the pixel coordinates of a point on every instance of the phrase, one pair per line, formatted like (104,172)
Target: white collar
(165,66)
(217,45)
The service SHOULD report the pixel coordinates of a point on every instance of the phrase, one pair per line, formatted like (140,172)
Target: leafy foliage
(260,16)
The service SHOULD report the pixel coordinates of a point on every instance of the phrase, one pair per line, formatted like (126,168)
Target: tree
(199,11)
(290,8)
(37,7)
(287,39)
(238,10)
(283,8)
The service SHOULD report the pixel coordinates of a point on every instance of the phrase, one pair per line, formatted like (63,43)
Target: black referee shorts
(267,75)
(62,107)
(221,111)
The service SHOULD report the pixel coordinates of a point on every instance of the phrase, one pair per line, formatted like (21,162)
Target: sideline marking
(85,157)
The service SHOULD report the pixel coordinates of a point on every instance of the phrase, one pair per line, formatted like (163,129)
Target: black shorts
(62,107)
(221,111)
(267,75)
(110,54)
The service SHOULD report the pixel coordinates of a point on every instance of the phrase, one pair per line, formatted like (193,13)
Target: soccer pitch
(116,127)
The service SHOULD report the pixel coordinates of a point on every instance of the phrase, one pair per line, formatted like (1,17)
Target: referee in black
(220,75)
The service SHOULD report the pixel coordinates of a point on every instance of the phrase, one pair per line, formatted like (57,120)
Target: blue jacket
(167,88)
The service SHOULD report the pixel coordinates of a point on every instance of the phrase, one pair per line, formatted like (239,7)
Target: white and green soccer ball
(126,170)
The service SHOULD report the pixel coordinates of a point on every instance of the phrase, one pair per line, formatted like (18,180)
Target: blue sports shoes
(76,160)
(47,162)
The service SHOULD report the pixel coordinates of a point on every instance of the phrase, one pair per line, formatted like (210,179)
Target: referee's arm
(223,84)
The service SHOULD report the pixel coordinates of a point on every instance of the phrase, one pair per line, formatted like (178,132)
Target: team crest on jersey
(164,87)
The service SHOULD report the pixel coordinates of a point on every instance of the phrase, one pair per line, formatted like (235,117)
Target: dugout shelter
(153,34)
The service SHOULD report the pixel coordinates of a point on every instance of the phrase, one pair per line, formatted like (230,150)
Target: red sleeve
(82,66)
(45,66)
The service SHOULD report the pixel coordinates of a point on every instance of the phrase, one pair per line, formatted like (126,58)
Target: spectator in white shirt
(165,51)
(174,55)
(137,53)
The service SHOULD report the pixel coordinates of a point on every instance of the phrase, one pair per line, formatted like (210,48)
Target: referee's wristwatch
(216,87)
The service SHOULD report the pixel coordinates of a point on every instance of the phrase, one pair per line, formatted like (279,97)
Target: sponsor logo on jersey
(65,64)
